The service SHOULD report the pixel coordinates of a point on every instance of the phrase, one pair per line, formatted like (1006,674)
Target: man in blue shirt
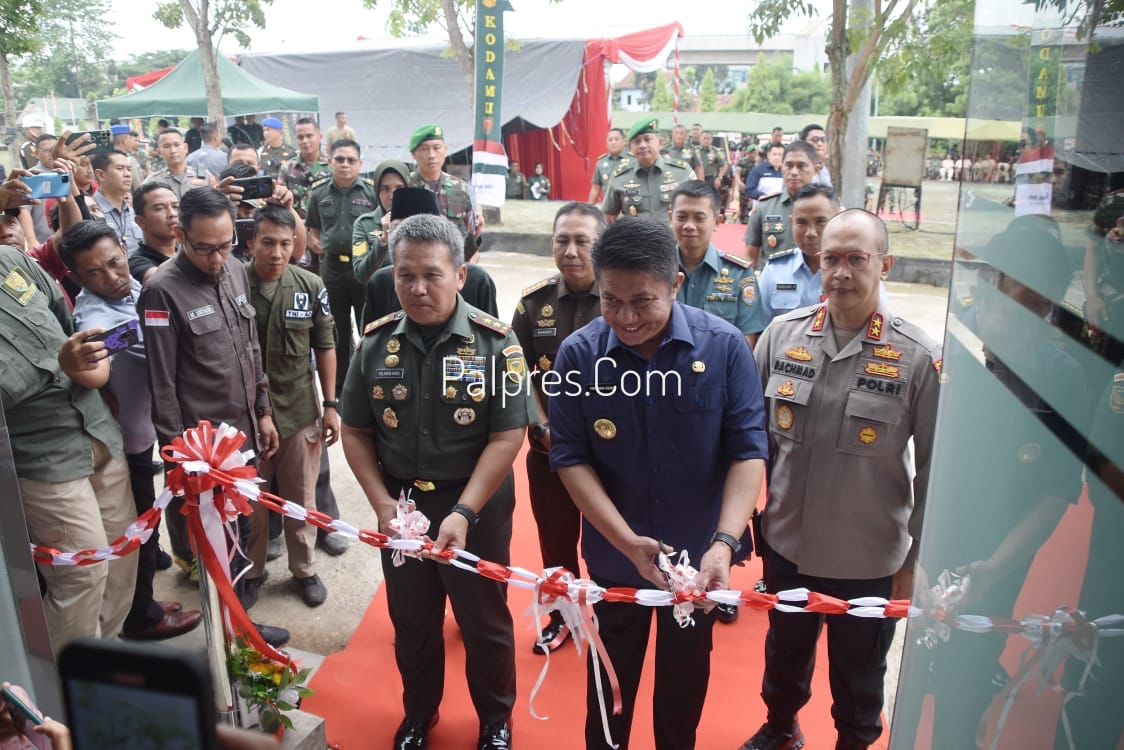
(791,278)
(767,178)
(675,464)
(720,283)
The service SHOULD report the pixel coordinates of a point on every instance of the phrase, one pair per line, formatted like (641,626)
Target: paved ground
(353,578)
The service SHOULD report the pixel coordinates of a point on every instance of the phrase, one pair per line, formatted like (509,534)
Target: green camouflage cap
(426,133)
(642,127)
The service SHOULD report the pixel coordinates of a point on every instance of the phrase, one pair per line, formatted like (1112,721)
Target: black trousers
(145,612)
(856,647)
(344,295)
(416,594)
(559,521)
(682,672)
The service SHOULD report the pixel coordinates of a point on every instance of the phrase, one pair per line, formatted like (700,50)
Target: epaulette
(782,253)
(380,322)
(487,321)
(369,181)
(800,313)
(599,158)
(317,183)
(767,197)
(624,167)
(535,287)
(678,163)
(915,332)
(736,260)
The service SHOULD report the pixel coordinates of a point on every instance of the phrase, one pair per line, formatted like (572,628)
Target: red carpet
(358,690)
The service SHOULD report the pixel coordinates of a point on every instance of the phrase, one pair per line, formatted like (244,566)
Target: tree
(75,44)
(19,35)
(774,88)
(210,22)
(661,100)
(862,36)
(925,70)
(708,92)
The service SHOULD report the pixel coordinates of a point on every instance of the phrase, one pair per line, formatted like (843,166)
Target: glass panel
(1021,550)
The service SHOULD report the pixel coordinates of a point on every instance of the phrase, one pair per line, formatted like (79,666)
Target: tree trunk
(838,49)
(460,49)
(852,169)
(8,93)
(200,23)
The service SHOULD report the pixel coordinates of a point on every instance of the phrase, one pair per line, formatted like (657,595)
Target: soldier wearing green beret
(427,145)
(334,205)
(643,187)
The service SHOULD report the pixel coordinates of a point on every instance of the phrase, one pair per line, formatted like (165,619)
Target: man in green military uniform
(454,196)
(274,151)
(681,150)
(643,188)
(308,167)
(714,164)
(435,407)
(608,163)
(371,231)
(516,183)
(293,319)
(770,224)
(333,207)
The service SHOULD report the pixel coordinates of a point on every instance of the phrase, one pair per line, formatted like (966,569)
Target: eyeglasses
(637,306)
(817,139)
(205,251)
(345,160)
(856,261)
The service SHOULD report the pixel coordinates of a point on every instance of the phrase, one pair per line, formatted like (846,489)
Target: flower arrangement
(269,686)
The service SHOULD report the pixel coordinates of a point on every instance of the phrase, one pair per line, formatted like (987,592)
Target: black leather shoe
(495,737)
(334,544)
(412,733)
(769,737)
(163,559)
(276,637)
(726,613)
(313,591)
(247,590)
(552,636)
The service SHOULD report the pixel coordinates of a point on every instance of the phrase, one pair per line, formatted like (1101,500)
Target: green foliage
(769,15)
(925,69)
(74,44)
(775,88)
(1087,16)
(708,92)
(231,17)
(268,686)
(662,99)
(20,26)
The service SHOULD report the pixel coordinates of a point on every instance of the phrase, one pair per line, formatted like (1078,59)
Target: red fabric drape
(570,149)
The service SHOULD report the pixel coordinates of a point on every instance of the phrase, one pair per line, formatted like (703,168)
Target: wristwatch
(538,431)
(729,540)
(263,411)
(331,403)
(469,514)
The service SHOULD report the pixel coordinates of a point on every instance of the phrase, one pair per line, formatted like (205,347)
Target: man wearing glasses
(770,225)
(847,384)
(817,136)
(333,206)
(201,338)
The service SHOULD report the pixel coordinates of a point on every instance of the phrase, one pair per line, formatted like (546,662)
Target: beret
(642,127)
(272,122)
(426,133)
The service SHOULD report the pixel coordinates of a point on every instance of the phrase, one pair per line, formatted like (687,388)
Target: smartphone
(121,695)
(25,719)
(243,232)
(102,140)
(48,185)
(120,337)
(255,187)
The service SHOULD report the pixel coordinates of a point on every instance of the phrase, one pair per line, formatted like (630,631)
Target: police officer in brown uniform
(847,384)
(643,188)
(769,224)
(548,312)
(436,406)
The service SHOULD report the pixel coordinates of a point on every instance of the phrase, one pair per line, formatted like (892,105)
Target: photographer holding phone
(23,726)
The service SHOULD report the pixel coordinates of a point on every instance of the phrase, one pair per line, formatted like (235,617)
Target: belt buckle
(345,258)
(424,485)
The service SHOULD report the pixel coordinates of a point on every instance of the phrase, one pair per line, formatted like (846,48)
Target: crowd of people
(801,366)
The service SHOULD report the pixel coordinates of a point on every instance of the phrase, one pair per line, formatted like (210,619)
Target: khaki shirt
(645,192)
(429,423)
(687,153)
(292,324)
(50,419)
(547,313)
(770,225)
(840,503)
(607,164)
(712,161)
(201,340)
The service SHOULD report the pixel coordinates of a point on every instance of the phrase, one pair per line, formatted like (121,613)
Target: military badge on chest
(546,324)
(301,309)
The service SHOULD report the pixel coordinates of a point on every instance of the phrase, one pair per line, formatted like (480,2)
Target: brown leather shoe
(169,607)
(171,625)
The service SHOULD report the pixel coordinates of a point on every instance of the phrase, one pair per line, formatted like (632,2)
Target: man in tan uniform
(847,384)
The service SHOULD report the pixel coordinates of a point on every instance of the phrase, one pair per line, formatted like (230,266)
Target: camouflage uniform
(452,197)
(298,176)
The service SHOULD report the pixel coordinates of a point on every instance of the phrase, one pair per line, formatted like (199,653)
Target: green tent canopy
(181,94)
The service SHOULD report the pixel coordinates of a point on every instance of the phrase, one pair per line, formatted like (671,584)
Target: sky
(335,24)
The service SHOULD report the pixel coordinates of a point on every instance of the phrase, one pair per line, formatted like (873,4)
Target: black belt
(429,485)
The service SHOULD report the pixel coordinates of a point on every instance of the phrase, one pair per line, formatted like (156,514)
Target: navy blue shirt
(662,453)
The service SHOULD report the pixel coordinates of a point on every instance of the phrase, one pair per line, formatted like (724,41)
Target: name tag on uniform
(397,372)
(786,287)
(200,312)
(300,314)
(545,332)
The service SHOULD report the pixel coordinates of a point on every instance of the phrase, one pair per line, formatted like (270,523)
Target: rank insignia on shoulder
(322,181)
(734,259)
(889,352)
(799,354)
(874,330)
(821,317)
(937,364)
(487,321)
(539,285)
(380,322)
